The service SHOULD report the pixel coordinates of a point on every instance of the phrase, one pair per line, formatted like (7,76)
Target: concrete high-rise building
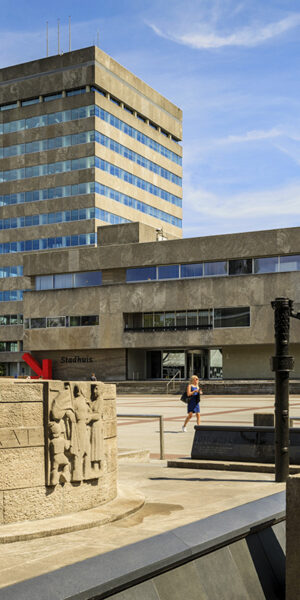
(83,143)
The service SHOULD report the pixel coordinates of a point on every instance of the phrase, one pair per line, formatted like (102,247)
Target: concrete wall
(25,493)
(253,362)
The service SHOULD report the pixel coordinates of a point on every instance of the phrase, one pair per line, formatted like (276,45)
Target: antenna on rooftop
(47,53)
(69,34)
(98,40)
(58,46)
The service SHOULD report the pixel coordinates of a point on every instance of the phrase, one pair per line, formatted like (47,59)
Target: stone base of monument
(126,503)
(58,458)
(241,444)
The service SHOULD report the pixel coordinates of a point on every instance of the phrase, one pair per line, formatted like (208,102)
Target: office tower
(83,143)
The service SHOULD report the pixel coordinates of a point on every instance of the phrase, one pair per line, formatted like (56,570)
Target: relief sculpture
(75,433)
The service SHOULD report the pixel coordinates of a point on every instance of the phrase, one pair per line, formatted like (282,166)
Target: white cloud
(250,136)
(279,202)
(205,38)
(206,213)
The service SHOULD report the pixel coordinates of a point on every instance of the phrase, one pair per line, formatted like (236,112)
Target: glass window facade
(168,272)
(11,295)
(290,263)
(232,317)
(10,347)
(89,188)
(103,165)
(13,271)
(83,113)
(11,320)
(65,321)
(68,280)
(213,269)
(266,265)
(141,274)
(189,319)
(192,270)
(61,217)
(137,158)
(240,266)
(66,241)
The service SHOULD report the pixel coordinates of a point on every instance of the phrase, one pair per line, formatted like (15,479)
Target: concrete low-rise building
(137,308)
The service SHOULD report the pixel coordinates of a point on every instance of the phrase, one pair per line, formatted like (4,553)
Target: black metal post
(282,364)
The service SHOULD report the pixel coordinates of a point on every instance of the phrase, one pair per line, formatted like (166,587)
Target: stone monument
(58,448)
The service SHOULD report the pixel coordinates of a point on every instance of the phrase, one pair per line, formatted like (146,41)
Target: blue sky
(232,66)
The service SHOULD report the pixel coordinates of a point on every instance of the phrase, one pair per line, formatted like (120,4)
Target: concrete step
(222,465)
(219,387)
(126,455)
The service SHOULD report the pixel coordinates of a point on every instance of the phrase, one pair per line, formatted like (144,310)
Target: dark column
(282,365)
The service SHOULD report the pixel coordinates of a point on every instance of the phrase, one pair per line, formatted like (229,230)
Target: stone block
(10,414)
(110,429)
(109,410)
(32,414)
(246,444)
(263,420)
(20,392)
(110,455)
(21,468)
(1,509)
(88,494)
(109,391)
(16,437)
(34,503)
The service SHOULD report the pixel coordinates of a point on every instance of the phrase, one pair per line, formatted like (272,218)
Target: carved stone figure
(76,444)
(96,429)
(60,465)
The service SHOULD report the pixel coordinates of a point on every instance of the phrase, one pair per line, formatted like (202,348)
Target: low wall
(236,554)
(58,448)
(241,443)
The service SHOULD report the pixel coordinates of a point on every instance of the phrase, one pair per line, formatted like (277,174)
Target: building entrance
(197,363)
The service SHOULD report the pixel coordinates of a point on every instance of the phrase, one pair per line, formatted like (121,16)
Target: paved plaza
(173,497)
(215,410)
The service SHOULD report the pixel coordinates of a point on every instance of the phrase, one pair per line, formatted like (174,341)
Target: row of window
(137,135)
(87,162)
(84,112)
(10,346)
(68,280)
(11,320)
(134,113)
(77,214)
(86,137)
(11,295)
(12,271)
(84,239)
(62,166)
(88,188)
(46,98)
(62,141)
(188,319)
(137,158)
(147,209)
(273,264)
(137,181)
(76,92)
(70,321)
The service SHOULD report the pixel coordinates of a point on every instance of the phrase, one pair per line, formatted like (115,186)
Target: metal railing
(172,380)
(161,428)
